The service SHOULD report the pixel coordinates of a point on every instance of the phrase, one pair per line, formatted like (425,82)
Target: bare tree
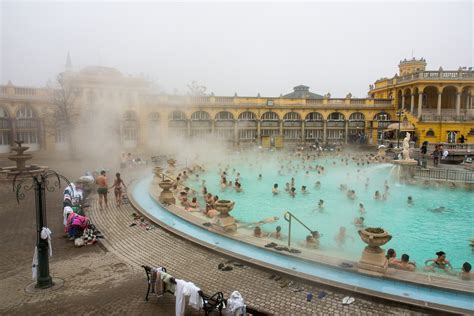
(195,89)
(63,116)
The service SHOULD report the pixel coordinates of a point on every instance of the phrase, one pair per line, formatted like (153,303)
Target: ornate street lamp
(40,182)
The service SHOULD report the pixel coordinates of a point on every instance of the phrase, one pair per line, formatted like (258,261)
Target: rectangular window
(292,134)
(247,134)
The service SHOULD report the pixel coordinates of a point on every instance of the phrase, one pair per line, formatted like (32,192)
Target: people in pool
(317,185)
(391,256)
(410,200)
(293,192)
(303,189)
(466,273)
(257,232)
(405,264)
(312,241)
(359,221)
(377,195)
(440,262)
(275,189)
(287,187)
(277,233)
(361,208)
(341,237)
(321,205)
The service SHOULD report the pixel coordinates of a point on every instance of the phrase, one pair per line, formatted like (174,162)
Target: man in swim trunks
(103,188)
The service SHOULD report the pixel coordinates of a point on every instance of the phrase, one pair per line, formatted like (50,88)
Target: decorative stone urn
(224,220)
(166,196)
(373,259)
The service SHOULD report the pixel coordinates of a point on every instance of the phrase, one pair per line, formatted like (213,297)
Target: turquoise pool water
(422,293)
(417,230)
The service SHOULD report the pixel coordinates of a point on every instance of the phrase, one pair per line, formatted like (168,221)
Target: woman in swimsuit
(440,262)
(118,191)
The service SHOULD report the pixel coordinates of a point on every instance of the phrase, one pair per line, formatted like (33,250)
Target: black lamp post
(40,183)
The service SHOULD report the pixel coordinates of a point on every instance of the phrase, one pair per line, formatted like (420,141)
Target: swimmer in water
(440,262)
(312,241)
(438,209)
(377,195)
(317,185)
(361,208)
(275,189)
(359,221)
(259,177)
(321,205)
(287,187)
(410,200)
(293,192)
(341,237)
(303,189)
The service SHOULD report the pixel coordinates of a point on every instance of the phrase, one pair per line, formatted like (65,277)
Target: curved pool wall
(404,291)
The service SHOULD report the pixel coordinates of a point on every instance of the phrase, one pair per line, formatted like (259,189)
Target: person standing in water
(102,189)
(118,191)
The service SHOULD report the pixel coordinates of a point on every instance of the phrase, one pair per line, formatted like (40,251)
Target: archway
(5,131)
(448,100)
(430,98)
(177,124)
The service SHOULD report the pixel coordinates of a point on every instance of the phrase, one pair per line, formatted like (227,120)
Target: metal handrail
(288,216)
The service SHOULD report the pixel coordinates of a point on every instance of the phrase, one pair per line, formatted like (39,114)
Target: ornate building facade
(436,103)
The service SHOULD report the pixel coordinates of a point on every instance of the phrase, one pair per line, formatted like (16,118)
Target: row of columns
(438,105)
(280,128)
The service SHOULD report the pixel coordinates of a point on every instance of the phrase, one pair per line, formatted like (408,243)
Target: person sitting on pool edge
(210,211)
(440,262)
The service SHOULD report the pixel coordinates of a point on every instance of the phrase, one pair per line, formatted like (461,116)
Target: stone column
(412,103)
(458,104)
(188,128)
(325,123)
(403,101)
(346,131)
(213,126)
(303,138)
(258,129)
(236,132)
(281,127)
(438,110)
(420,102)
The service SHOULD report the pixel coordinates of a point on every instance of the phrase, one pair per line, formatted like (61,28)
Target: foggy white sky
(235,47)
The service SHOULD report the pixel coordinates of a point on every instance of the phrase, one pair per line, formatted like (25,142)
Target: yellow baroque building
(437,104)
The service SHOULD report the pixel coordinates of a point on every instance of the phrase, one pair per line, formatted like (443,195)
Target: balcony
(177,124)
(437,75)
(252,124)
(228,124)
(292,123)
(270,124)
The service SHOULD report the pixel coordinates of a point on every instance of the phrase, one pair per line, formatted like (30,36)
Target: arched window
(200,116)
(313,117)
(292,116)
(336,116)
(430,133)
(270,116)
(130,116)
(224,116)
(471,132)
(177,116)
(154,116)
(357,116)
(382,116)
(25,113)
(247,116)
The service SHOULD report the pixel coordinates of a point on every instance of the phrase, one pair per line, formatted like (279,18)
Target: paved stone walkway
(136,246)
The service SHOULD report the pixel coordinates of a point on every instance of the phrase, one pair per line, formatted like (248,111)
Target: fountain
(406,159)
(21,169)
(373,259)
(224,221)
(158,172)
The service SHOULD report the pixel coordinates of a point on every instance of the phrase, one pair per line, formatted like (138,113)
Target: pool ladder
(288,216)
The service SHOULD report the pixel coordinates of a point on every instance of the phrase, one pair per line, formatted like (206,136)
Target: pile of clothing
(77,226)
